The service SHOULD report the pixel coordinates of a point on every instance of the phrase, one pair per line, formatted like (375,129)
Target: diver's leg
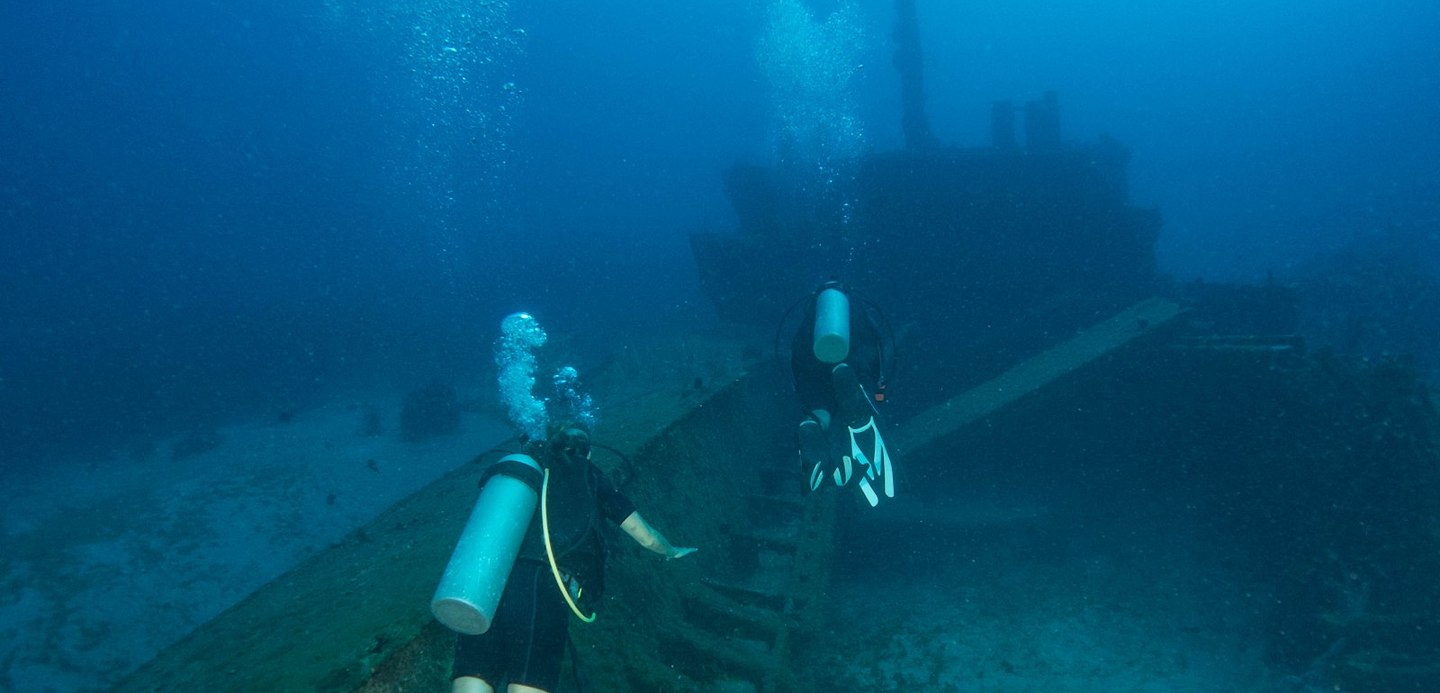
(475,662)
(866,444)
(535,664)
(814,448)
(855,405)
(470,684)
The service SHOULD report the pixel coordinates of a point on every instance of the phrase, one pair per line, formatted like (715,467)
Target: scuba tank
(832,325)
(475,578)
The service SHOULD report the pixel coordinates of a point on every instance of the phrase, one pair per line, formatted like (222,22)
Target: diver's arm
(648,537)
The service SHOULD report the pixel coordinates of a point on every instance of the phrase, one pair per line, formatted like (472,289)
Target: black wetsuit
(526,640)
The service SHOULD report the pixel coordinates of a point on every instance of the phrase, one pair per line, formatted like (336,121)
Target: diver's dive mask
(571,444)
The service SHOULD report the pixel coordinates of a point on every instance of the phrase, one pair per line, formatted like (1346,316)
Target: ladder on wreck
(755,628)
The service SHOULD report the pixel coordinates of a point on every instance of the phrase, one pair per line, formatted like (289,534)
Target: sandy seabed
(1138,613)
(103,562)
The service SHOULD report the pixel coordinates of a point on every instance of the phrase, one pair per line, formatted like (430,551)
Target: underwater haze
(215,206)
(218,213)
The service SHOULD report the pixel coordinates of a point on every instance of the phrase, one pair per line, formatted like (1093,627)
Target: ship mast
(909,62)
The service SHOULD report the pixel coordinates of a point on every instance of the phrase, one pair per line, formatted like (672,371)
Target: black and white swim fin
(874,458)
(867,445)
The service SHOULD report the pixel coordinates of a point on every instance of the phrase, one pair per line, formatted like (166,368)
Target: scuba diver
(526,641)
(838,347)
(532,551)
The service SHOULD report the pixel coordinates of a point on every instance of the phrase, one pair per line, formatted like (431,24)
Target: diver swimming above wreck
(838,348)
(536,519)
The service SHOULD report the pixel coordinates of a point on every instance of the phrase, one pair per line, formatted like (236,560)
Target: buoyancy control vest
(574,525)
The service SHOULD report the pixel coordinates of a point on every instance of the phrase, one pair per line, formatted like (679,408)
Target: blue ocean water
(209,210)
(308,192)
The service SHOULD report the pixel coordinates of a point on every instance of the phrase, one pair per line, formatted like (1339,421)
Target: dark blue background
(208,209)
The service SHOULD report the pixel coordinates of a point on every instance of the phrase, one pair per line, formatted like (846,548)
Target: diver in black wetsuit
(525,644)
(840,438)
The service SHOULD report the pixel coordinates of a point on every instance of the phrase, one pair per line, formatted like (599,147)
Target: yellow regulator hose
(550,551)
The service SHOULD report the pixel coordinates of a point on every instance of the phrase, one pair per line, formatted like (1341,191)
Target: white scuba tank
(832,326)
(475,578)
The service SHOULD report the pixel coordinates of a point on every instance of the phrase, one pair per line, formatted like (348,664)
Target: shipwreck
(1029,248)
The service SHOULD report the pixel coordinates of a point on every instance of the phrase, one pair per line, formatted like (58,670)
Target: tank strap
(514,469)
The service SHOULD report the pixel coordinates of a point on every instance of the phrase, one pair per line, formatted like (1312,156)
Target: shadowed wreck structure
(1039,339)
